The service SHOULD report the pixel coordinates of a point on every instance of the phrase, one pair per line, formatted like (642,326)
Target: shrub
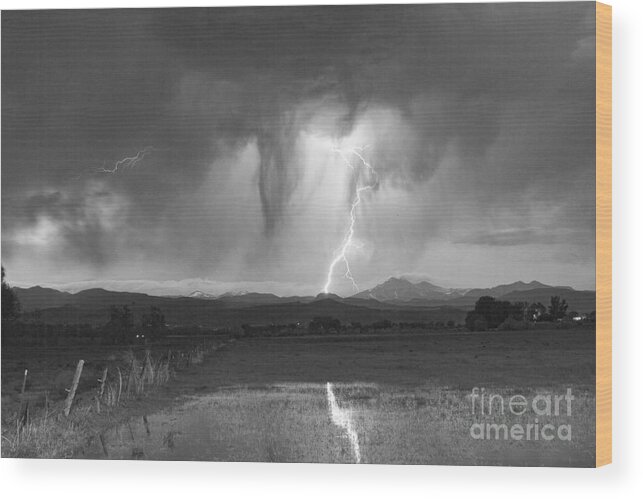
(383,324)
(476,322)
(324,324)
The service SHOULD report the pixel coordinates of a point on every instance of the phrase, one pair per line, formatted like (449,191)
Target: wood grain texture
(603,234)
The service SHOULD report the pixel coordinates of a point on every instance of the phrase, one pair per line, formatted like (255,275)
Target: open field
(291,423)
(536,358)
(115,383)
(407,398)
(51,369)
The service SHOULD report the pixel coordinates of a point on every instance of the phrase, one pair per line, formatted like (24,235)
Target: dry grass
(291,423)
(46,433)
(408,396)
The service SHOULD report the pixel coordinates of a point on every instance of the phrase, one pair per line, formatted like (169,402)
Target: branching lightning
(130,162)
(341,252)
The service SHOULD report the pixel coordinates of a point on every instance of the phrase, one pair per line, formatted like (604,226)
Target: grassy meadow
(408,397)
(115,383)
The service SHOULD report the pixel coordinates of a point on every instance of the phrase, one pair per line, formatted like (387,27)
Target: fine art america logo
(517,417)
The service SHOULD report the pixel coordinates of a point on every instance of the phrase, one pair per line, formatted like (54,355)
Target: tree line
(490,313)
(120,327)
(10,303)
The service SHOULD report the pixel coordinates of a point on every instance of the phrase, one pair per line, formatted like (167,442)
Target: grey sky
(479,120)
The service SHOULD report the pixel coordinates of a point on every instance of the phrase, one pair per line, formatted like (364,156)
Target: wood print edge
(603,234)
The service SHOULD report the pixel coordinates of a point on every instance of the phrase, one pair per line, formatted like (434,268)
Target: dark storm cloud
(515,237)
(83,89)
(448,69)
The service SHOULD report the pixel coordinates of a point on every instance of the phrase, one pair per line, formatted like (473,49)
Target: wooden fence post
(147,425)
(101,438)
(74,385)
(101,390)
(120,385)
(46,405)
(24,383)
(131,375)
(102,383)
(23,413)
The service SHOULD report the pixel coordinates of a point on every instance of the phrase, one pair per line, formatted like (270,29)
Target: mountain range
(395,299)
(425,294)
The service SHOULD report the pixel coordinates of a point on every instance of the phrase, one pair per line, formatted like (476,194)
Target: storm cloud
(479,120)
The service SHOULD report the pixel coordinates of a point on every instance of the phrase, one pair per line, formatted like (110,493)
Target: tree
(494,311)
(10,303)
(489,312)
(475,321)
(121,323)
(153,324)
(520,311)
(536,311)
(557,307)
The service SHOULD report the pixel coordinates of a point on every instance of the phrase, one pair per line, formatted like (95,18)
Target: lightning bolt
(340,253)
(130,162)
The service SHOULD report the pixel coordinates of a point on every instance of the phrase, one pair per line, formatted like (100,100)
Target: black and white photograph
(360,234)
